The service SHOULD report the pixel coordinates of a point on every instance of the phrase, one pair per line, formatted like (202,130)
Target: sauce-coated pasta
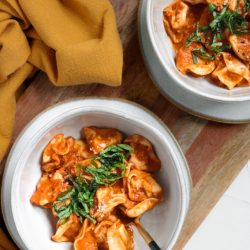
(94,185)
(211,39)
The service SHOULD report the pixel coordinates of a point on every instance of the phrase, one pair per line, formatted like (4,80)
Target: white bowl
(197,96)
(31,227)
(164,49)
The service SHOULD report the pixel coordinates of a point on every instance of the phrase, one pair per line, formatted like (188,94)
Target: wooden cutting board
(215,152)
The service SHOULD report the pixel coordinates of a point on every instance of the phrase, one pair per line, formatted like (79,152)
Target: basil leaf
(222,19)
(81,194)
(202,53)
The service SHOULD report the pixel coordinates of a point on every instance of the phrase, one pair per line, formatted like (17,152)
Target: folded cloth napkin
(73,41)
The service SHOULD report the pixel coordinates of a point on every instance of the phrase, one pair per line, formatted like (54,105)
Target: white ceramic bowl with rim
(32,227)
(198,96)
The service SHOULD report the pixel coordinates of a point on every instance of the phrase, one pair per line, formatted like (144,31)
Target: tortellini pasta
(63,151)
(67,230)
(101,230)
(185,63)
(211,39)
(119,238)
(143,156)
(85,240)
(230,71)
(141,207)
(48,188)
(70,165)
(100,138)
(176,17)
(108,198)
(241,46)
(142,185)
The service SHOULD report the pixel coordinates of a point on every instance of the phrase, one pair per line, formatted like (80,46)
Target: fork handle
(147,237)
(153,245)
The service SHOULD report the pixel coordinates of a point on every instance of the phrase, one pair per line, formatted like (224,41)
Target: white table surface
(227,227)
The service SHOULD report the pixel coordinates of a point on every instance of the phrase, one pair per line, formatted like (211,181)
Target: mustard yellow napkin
(73,41)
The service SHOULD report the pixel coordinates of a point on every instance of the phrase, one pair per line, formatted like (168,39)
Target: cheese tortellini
(231,71)
(211,39)
(95,185)
(175,19)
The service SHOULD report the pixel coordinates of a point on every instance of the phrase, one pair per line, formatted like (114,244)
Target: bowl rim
(146,6)
(8,176)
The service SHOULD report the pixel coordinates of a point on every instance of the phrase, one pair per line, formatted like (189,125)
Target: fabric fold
(72,41)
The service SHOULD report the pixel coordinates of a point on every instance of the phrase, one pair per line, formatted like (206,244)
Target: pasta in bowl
(93,185)
(211,39)
(54,138)
(189,90)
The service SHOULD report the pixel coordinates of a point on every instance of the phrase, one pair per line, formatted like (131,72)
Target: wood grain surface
(215,152)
